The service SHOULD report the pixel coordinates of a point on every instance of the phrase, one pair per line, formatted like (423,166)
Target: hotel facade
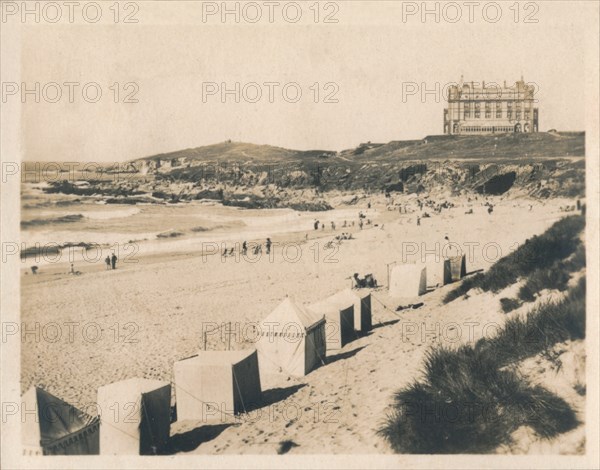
(480,108)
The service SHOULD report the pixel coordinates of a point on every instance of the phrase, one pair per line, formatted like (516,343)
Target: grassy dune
(472,399)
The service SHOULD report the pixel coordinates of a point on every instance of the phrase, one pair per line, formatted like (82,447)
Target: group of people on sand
(111,261)
(367,281)
(257,249)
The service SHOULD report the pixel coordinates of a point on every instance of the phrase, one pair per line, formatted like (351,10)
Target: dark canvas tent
(56,427)
(361,299)
(135,417)
(216,384)
(291,339)
(339,319)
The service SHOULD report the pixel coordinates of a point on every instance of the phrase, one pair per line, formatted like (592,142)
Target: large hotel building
(480,108)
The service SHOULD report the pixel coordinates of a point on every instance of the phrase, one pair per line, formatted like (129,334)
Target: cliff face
(246,175)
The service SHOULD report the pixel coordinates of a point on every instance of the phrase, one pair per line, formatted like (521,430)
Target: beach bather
(358,282)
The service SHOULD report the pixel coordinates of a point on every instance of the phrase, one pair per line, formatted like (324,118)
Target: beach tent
(291,339)
(438,270)
(51,426)
(216,384)
(135,417)
(408,280)
(458,267)
(339,319)
(362,309)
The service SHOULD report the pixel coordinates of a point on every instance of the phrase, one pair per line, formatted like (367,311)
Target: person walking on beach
(268,245)
(107,261)
(244,248)
(113,261)
(418,220)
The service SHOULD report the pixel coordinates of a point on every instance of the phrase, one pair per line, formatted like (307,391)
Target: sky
(355,76)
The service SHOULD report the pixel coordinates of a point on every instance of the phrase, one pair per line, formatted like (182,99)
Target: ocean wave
(65,219)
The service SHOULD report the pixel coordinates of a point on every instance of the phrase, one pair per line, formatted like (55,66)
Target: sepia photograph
(300,234)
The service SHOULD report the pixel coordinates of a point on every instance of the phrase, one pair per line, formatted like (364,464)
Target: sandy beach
(100,326)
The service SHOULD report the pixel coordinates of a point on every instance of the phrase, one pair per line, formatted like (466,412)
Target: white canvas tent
(135,417)
(361,299)
(215,385)
(438,270)
(408,280)
(339,319)
(51,426)
(442,271)
(291,340)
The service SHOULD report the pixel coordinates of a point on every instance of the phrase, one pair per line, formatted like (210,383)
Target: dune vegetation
(471,399)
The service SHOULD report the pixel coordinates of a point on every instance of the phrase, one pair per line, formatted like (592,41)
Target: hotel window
(488,110)
(498,109)
(477,110)
(527,115)
(467,110)
(518,115)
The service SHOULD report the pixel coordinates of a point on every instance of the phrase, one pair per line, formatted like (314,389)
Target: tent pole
(204,340)
(229,337)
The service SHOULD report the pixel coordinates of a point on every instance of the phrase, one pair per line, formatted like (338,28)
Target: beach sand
(137,320)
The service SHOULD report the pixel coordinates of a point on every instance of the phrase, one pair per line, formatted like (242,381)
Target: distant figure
(231,252)
(113,261)
(316,225)
(332,225)
(322,226)
(244,248)
(353,223)
(34,269)
(107,261)
(345,224)
(370,281)
(578,204)
(358,282)
(360,224)
(418,220)
(72,269)
(490,209)
(369,205)
(268,245)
